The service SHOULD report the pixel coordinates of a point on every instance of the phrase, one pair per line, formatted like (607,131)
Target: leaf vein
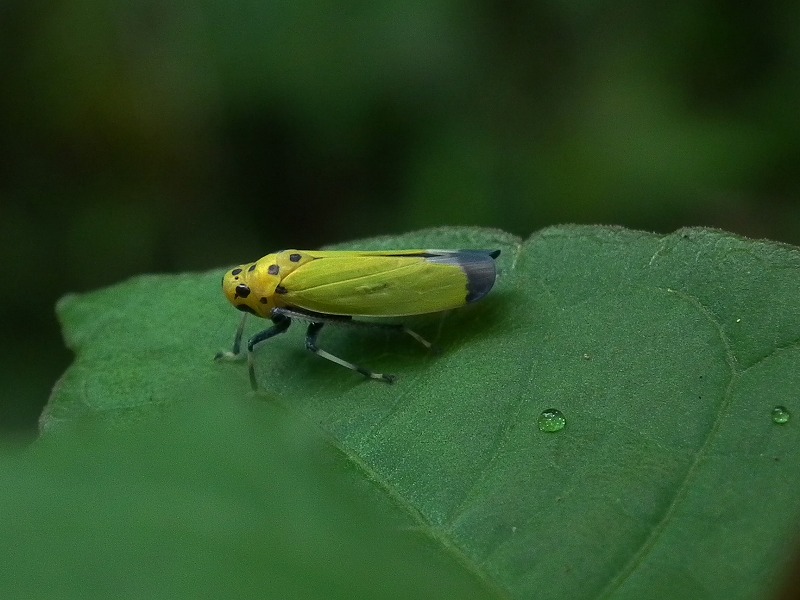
(683,487)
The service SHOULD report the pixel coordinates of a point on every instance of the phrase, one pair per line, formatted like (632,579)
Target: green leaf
(666,355)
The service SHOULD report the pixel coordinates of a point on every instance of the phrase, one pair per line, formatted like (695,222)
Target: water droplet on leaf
(780,415)
(551,420)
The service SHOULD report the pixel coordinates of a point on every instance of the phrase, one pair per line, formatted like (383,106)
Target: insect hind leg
(416,336)
(350,322)
(395,327)
(311,344)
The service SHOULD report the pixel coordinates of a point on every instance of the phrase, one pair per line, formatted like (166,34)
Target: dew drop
(551,420)
(780,415)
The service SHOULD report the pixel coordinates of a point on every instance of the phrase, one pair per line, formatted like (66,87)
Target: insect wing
(390,284)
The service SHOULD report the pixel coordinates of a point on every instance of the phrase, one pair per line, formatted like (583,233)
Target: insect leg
(236,352)
(311,344)
(280,324)
(417,337)
(344,320)
(394,327)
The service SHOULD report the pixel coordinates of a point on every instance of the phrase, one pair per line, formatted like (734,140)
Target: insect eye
(241,291)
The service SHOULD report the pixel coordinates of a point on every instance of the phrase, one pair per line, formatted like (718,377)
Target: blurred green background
(145,136)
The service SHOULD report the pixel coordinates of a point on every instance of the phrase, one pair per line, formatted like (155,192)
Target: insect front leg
(311,344)
(280,324)
(236,351)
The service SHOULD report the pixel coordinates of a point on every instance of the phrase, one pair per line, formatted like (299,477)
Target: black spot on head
(245,308)
(264,300)
(236,271)
(280,290)
(294,257)
(273,269)
(252,268)
(241,291)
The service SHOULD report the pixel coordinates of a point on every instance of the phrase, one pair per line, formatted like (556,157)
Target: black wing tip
(478,288)
(492,253)
(480,277)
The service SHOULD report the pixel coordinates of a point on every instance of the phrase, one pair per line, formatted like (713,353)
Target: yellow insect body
(321,287)
(376,284)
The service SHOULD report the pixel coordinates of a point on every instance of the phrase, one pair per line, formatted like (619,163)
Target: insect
(333,287)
